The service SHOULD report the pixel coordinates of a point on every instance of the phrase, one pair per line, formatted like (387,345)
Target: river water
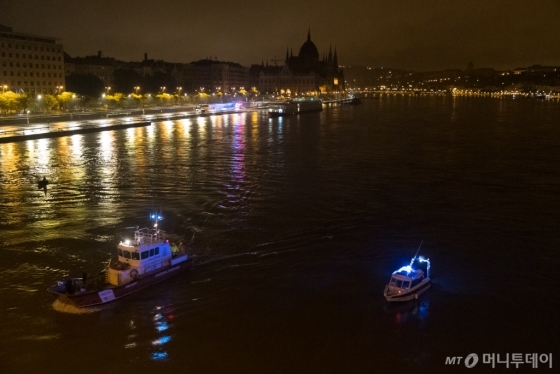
(294,226)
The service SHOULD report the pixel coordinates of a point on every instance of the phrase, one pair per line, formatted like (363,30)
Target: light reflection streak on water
(130,134)
(8,159)
(238,163)
(200,121)
(76,145)
(181,128)
(107,170)
(7,156)
(43,151)
(106,145)
(151,131)
(168,128)
(68,149)
(187,124)
(160,324)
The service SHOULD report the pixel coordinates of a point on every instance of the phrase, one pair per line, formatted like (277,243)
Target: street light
(107,89)
(59,89)
(162,89)
(4,88)
(137,88)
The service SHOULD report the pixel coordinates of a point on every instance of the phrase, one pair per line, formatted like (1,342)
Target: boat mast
(156,217)
(416,255)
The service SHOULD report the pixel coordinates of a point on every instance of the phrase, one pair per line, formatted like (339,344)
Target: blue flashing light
(162,340)
(159,355)
(406,268)
(162,326)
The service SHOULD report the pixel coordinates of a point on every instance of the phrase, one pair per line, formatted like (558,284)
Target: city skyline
(434,35)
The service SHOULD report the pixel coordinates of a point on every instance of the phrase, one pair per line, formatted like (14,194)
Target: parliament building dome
(308,50)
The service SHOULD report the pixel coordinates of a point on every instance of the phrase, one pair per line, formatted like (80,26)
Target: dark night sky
(409,34)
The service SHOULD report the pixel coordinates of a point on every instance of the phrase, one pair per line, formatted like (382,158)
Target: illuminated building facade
(216,76)
(30,63)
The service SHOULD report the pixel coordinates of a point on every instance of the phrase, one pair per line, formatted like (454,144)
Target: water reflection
(238,144)
(408,312)
(43,151)
(106,139)
(76,145)
(158,333)
(169,126)
(161,322)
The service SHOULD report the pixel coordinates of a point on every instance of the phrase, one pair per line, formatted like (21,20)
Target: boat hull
(108,294)
(411,294)
(278,114)
(294,108)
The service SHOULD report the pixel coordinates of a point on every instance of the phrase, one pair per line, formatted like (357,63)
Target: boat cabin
(148,252)
(406,281)
(410,276)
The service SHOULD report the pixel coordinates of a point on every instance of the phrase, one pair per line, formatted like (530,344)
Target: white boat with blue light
(409,282)
(147,259)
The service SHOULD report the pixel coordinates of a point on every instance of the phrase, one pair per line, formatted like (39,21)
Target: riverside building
(303,74)
(30,63)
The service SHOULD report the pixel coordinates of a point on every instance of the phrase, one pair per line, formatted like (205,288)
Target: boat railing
(148,236)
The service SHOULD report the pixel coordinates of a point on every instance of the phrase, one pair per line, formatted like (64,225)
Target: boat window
(151,252)
(126,254)
(405,284)
(399,283)
(120,252)
(393,281)
(156,250)
(145,255)
(135,256)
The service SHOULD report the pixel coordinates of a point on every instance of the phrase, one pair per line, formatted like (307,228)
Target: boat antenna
(418,249)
